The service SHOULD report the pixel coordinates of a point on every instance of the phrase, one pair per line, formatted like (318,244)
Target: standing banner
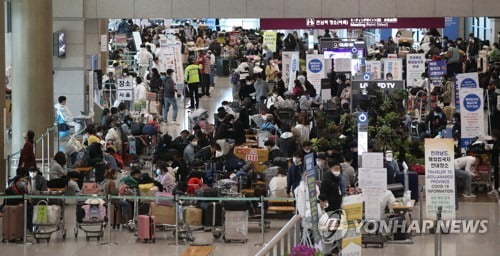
(353,210)
(393,66)
(415,66)
(471,115)
(440,178)
(315,64)
(372,180)
(313,197)
(437,68)
(464,80)
(270,38)
(290,64)
(374,68)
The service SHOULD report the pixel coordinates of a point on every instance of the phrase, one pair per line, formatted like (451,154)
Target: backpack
(82,159)
(136,128)
(235,78)
(149,129)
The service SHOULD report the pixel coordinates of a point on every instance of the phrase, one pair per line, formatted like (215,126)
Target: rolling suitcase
(236,226)
(13,223)
(212,214)
(164,215)
(193,216)
(413,183)
(146,228)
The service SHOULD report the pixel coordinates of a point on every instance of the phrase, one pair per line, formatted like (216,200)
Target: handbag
(44,214)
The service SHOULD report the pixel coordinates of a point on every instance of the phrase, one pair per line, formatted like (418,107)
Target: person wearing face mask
(190,150)
(294,174)
(36,180)
(321,168)
(436,121)
(331,189)
(166,176)
(273,149)
(19,186)
(392,167)
(110,187)
(275,98)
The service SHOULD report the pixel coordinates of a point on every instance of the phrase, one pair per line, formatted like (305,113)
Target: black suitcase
(212,214)
(413,183)
(235,205)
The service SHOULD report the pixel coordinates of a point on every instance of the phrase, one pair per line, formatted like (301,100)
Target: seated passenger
(464,168)
(278,185)
(36,181)
(60,176)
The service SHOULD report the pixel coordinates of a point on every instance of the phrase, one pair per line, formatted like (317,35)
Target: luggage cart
(93,228)
(184,232)
(43,231)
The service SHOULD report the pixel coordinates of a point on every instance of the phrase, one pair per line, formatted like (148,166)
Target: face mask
(158,172)
(336,174)
(194,143)
(275,95)
(32,174)
(99,134)
(218,153)
(22,184)
(296,161)
(319,162)
(307,150)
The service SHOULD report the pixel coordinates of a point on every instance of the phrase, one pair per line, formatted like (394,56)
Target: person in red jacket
(298,90)
(27,158)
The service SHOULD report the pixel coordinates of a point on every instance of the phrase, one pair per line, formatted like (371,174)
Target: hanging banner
(393,67)
(290,65)
(471,115)
(464,80)
(315,65)
(137,39)
(439,178)
(415,66)
(437,69)
(374,68)
(270,38)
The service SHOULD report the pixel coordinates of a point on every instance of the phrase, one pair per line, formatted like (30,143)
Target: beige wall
(286,8)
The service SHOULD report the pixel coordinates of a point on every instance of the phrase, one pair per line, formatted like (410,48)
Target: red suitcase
(13,223)
(146,228)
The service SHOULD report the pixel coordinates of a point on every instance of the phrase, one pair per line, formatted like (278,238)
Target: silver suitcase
(236,226)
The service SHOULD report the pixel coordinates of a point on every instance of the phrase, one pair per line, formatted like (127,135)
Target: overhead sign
(382,84)
(415,66)
(440,178)
(349,23)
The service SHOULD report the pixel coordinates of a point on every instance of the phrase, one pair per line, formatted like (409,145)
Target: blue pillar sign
(362,132)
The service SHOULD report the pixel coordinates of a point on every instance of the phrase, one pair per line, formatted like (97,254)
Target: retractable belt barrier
(176,199)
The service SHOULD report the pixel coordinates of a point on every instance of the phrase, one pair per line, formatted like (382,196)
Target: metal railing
(287,238)
(49,140)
